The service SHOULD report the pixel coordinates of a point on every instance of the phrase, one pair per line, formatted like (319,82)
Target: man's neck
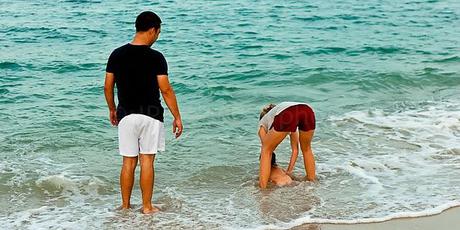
(140,40)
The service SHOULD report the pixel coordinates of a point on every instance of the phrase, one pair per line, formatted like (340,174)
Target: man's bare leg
(270,142)
(147,180)
(308,158)
(127,180)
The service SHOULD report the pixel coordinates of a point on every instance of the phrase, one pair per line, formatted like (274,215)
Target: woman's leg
(269,143)
(305,138)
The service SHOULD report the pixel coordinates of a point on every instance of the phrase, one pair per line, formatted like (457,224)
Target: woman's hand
(290,174)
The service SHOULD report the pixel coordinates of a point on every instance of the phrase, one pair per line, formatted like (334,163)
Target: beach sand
(447,220)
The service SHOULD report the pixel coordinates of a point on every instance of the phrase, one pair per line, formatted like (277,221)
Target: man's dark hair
(147,20)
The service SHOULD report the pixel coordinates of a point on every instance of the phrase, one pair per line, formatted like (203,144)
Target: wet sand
(447,220)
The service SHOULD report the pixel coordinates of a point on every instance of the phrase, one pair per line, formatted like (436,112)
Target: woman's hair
(266,109)
(273,159)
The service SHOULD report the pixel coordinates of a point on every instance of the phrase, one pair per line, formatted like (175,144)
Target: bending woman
(276,122)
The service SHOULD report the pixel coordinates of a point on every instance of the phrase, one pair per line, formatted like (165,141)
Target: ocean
(382,76)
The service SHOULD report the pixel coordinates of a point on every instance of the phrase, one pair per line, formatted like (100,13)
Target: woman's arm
(264,162)
(262,134)
(294,139)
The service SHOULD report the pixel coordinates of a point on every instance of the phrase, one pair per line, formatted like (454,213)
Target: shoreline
(440,221)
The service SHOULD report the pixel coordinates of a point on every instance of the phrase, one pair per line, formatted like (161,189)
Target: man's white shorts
(138,133)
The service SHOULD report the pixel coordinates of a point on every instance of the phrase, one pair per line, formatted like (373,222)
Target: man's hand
(177,127)
(113,117)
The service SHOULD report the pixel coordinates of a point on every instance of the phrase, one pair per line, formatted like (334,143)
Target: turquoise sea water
(382,76)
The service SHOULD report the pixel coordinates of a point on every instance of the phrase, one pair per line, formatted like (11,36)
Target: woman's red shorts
(297,116)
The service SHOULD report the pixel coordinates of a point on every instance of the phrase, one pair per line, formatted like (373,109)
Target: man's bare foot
(123,208)
(149,210)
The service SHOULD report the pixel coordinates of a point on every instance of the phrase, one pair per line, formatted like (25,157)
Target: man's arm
(170,99)
(294,139)
(108,92)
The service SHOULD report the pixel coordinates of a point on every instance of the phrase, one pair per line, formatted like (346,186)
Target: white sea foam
(57,181)
(378,165)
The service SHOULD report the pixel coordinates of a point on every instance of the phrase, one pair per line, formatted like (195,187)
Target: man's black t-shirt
(136,68)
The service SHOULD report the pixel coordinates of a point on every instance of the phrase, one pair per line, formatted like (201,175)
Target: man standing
(140,74)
